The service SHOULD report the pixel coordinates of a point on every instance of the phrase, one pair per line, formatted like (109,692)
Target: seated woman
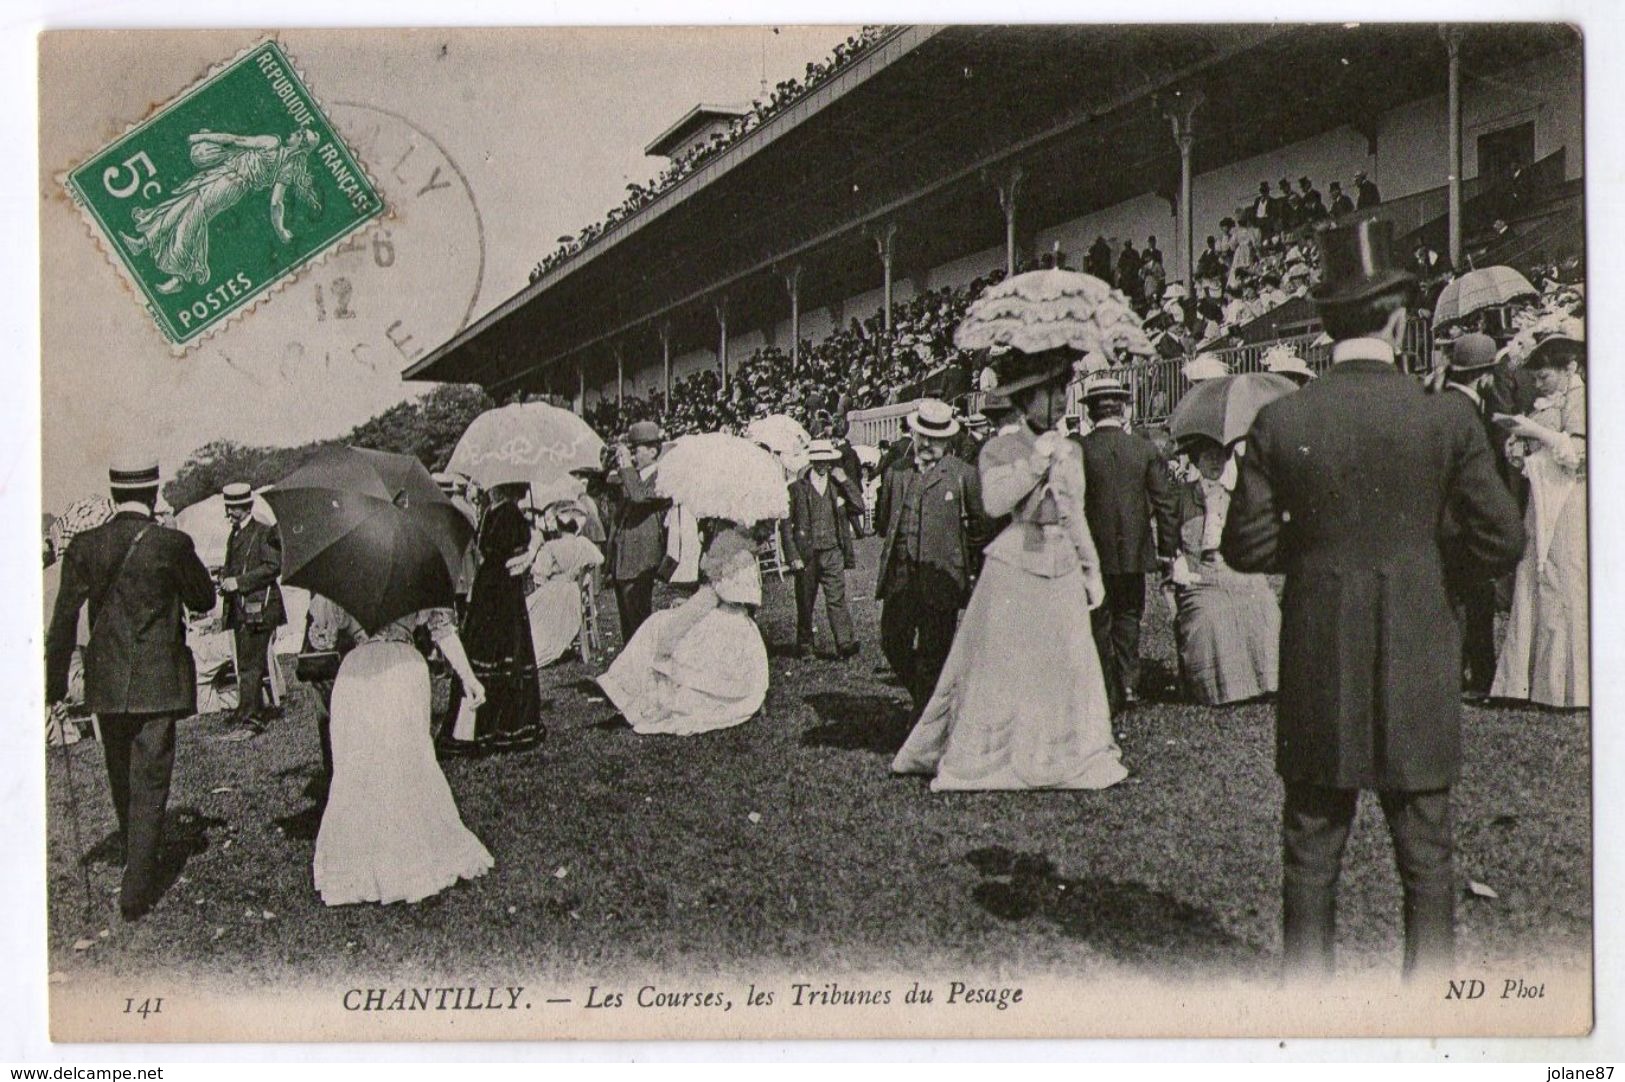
(702,665)
(1228,626)
(555,604)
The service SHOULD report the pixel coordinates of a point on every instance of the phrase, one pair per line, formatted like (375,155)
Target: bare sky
(488,144)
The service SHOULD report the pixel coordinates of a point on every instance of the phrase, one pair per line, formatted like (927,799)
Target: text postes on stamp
(224,193)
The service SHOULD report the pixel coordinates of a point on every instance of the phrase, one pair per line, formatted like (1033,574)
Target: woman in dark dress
(496,635)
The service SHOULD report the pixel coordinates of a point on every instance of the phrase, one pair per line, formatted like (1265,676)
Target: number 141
(150,1005)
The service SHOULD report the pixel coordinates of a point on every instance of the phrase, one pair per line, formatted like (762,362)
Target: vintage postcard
(816,532)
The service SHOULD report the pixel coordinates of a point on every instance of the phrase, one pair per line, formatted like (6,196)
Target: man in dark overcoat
(254,610)
(1133,516)
(930,518)
(1352,487)
(638,544)
(1468,381)
(817,540)
(140,678)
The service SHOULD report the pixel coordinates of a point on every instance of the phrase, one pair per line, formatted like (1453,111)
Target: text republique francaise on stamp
(224,193)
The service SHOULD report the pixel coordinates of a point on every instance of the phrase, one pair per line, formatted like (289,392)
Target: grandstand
(814,251)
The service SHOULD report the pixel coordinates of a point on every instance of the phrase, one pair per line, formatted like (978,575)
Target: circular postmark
(383,299)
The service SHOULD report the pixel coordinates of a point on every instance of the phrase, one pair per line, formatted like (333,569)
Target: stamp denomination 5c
(224,193)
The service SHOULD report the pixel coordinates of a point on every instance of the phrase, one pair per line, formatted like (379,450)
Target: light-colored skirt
(391,832)
(1229,634)
(1021,703)
(714,678)
(1544,657)
(555,618)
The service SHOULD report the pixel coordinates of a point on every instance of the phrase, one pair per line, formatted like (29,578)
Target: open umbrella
(715,475)
(530,442)
(79,516)
(779,433)
(1223,409)
(371,531)
(1045,309)
(1482,288)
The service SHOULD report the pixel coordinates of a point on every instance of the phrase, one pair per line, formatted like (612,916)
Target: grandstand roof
(915,130)
(691,124)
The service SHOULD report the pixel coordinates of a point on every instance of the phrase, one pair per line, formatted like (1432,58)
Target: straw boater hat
(1283,362)
(822,451)
(132,475)
(934,419)
(1205,366)
(976,422)
(238,495)
(449,483)
(1102,387)
(1473,353)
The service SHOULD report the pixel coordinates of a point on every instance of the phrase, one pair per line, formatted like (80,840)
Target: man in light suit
(1354,487)
(248,582)
(140,678)
(929,514)
(1133,516)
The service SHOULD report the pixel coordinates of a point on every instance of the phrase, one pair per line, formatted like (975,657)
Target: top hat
(1472,353)
(822,451)
(933,418)
(133,471)
(1356,262)
(238,494)
(643,433)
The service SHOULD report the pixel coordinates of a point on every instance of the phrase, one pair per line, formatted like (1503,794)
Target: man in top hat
(248,582)
(1366,192)
(1469,386)
(1347,487)
(817,539)
(1341,203)
(638,543)
(1311,207)
(140,678)
(930,517)
(1098,261)
(1133,516)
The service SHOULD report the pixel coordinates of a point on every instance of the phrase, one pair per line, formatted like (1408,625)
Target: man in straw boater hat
(818,544)
(1127,493)
(139,675)
(929,515)
(248,583)
(1354,487)
(1469,386)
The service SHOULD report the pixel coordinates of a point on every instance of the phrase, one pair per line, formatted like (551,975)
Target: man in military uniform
(248,582)
(139,675)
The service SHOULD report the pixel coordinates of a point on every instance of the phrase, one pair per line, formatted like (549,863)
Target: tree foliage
(427,428)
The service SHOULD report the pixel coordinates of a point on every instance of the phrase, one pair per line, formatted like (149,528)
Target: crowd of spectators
(639,196)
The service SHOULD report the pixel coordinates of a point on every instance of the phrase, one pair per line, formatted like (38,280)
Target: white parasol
(715,475)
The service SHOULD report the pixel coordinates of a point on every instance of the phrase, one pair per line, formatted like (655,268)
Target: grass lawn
(785,843)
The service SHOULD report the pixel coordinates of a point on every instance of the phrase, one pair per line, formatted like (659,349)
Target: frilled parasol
(1479,289)
(1046,309)
(715,475)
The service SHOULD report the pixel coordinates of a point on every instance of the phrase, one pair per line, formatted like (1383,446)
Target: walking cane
(59,717)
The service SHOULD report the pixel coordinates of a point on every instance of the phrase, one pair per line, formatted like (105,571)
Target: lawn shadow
(186,835)
(1128,921)
(304,824)
(1159,681)
(872,723)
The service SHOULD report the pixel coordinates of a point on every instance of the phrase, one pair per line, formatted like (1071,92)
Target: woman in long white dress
(1544,657)
(390,831)
(1021,702)
(700,666)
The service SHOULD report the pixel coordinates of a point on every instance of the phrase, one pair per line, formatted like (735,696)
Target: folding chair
(589,642)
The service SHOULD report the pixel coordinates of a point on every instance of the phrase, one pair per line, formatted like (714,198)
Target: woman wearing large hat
(1021,702)
(1544,655)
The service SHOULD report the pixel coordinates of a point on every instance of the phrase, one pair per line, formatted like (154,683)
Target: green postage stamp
(224,193)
